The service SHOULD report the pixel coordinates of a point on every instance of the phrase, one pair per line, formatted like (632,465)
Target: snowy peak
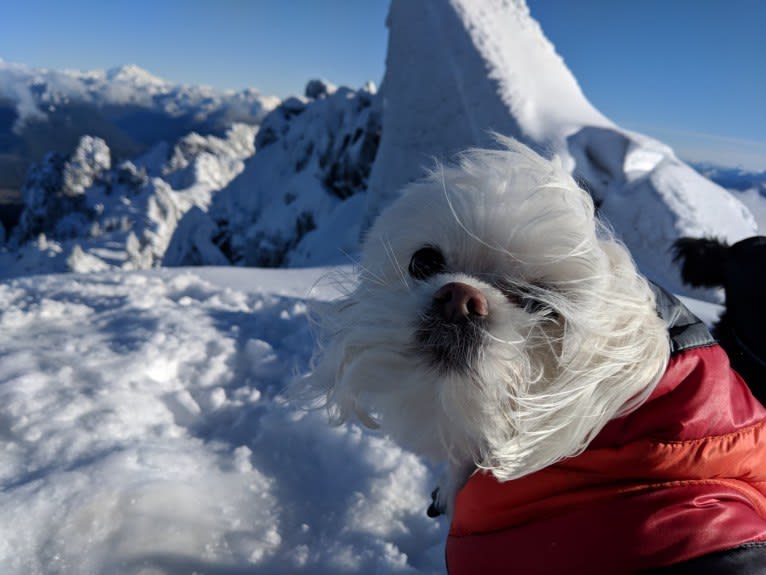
(133,74)
(532,78)
(457,71)
(46,89)
(299,199)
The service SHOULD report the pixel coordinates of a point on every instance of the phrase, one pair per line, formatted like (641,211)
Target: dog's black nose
(457,301)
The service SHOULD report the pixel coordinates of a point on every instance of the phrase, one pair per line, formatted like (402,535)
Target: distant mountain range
(733,178)
(130,109)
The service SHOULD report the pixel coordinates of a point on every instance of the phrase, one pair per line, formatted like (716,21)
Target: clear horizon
(687,73)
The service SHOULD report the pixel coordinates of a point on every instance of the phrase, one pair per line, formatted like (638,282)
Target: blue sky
(690,72)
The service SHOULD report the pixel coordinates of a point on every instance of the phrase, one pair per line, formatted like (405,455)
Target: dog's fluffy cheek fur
(367,369)
(373,369)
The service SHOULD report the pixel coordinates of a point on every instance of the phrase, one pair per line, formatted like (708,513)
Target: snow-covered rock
(193,242)
(298,200)
(457,70)
(83,215)
(651,198)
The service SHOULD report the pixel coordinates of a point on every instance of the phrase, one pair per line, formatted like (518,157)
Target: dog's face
(492,322)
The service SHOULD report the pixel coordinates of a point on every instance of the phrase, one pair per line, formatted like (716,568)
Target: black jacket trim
(685,329)
(747,559)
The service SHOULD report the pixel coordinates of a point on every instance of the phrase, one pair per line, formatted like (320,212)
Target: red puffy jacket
(682,477)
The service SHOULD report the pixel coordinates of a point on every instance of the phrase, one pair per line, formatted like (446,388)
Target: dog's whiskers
(393,259)
(363,270)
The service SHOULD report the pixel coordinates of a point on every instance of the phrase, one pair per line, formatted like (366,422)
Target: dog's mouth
(450,345)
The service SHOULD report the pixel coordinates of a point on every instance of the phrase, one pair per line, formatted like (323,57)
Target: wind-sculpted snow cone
(588,422)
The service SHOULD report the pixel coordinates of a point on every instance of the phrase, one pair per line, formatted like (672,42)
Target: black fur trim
(702,261)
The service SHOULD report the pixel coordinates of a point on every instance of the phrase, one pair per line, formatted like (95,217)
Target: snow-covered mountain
(300,198)
(456,70)
(748,187)
(207,200)
(733,178)
(83,214)
(45,111)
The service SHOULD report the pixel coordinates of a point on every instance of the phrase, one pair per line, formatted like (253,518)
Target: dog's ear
(325,387)
(702,261)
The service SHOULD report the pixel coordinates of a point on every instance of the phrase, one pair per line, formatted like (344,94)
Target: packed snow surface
(144,430)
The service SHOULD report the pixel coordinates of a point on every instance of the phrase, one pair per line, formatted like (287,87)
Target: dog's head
(494,320)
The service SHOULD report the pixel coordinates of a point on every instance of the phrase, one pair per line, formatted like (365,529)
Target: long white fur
(543,385)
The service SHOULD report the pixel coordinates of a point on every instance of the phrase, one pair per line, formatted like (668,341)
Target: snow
(755,200)
(145,430)
(747,186)
(456,70)
(651,198)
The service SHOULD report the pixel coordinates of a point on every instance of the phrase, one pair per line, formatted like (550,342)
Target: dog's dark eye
(426,262)
(532,305)
(525,301)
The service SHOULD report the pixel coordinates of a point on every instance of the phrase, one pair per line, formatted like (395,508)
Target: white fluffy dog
(496,324)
